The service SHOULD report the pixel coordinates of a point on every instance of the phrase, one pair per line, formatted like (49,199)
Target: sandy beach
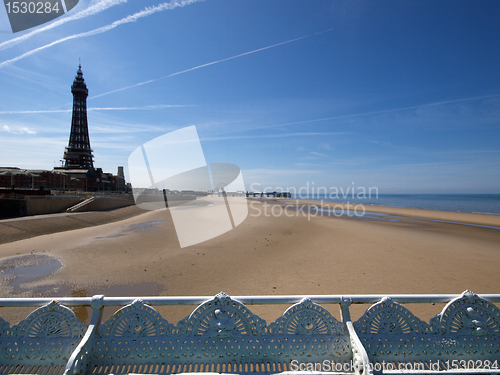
(266,255)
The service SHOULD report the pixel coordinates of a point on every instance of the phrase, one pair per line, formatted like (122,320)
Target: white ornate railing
(223,335)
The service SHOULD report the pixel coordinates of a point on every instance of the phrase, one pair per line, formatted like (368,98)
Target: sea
(475,203)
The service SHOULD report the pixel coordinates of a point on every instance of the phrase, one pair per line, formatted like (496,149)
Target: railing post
(79,361)
(361,363)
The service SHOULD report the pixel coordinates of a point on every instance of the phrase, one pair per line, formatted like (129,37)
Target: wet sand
(31,226)
(269,255)
(461,217)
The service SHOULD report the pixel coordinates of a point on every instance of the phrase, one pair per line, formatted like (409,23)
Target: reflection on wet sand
(17,272)
(85,313)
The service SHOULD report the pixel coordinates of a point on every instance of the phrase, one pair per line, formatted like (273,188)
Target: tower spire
(78,154)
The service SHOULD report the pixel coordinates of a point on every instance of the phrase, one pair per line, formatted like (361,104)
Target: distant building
(12,177)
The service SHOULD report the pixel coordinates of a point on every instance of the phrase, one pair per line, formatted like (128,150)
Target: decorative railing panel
(220,331)
(223,335)
(468,315)
(466,330)
(44,341)
(221,317)
(135,320)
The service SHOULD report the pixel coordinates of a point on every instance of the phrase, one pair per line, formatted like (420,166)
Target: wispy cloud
(132,18)
(125,128)
(37,152)
(142,108)
(479,151)
(435,104)
(209,64)
(281,172)
(318,154)
(281,135)
(34,112)
(90,11)
(313,156)
(23,130)
(309,165)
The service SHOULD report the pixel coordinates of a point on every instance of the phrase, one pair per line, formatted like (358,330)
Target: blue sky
(399,95)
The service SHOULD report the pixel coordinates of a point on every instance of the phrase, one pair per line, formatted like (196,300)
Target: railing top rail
(247,300)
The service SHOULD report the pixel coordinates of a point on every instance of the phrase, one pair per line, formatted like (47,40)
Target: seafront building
(75,186)
(78,172)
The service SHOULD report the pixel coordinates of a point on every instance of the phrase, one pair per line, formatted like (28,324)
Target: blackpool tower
(78,154)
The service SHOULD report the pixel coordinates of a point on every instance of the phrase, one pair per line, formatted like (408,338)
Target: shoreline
(451,217)
(467,203)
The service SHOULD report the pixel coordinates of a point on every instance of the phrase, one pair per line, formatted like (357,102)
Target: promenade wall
(43,205)
(10,208)
(50,204)
(103,203)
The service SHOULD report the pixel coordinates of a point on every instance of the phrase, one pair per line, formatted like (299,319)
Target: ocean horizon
(471,203)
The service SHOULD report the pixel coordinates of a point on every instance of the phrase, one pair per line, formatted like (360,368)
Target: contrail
(142,108)
(281,135)
(132,18)
(382,112)
(31,112)
(208,64)
(90,11)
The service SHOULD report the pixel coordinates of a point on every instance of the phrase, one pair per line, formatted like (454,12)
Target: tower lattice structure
(78,154)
